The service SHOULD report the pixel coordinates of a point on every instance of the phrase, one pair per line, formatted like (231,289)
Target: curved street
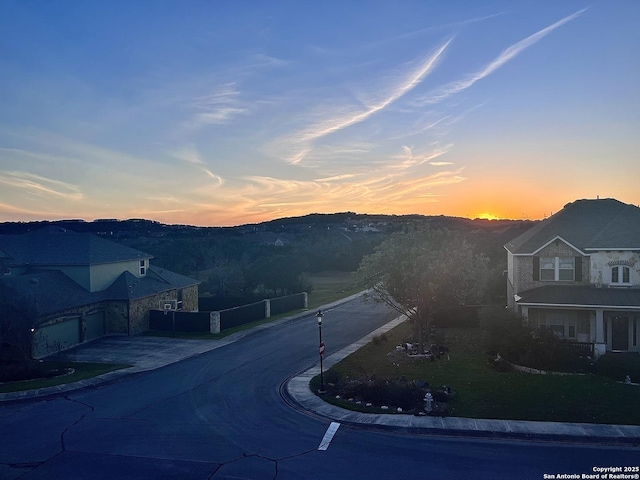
(220,415)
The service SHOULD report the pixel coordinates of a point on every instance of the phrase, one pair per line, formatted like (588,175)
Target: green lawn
(330,286)
(482,392)
(81,371)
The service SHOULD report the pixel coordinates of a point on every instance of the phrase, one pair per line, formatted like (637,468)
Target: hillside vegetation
(277,257)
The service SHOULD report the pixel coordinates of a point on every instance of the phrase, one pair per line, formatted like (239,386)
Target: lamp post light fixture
(319,316)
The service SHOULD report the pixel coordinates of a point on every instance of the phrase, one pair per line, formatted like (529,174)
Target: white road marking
(328,436)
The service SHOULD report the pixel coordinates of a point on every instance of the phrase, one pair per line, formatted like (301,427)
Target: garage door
(95,325)
(57,337)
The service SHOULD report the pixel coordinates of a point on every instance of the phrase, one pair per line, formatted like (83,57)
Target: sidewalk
(298,391)
(149,353)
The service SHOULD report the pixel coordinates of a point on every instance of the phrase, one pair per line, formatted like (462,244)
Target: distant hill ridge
(139,226)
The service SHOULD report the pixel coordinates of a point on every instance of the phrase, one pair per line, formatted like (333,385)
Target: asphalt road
(220,415)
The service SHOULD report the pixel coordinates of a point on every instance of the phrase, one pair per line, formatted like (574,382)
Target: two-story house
(578,274)
(73,287)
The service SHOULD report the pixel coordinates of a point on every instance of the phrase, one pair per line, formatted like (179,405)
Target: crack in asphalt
(33,465)
(275,461)
(91,409)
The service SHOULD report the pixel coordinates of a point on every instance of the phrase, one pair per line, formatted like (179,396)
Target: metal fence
(237,316)
(287,304)
(177,321)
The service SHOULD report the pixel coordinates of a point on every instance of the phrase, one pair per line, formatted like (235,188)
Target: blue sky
(225,113)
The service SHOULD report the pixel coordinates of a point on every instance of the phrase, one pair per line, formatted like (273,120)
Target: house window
(143,267)
(583,324)
(635,332)
(556,321)
(565,269)
(620,275)
(557,269)
(558,329)
(547,268)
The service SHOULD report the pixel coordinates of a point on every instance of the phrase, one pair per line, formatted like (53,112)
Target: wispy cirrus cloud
(507,55)
(335,178)
(383,191)
(303,140)
(192,155)
(440,164)
(40,186)
(218,107)
(409,159)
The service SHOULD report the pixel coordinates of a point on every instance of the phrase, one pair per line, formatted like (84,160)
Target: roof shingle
(65,248)
(588,225)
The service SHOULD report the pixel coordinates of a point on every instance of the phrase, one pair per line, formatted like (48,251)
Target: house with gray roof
(577,273)
(73,287)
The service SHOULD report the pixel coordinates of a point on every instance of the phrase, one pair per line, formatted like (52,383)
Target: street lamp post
(319,316)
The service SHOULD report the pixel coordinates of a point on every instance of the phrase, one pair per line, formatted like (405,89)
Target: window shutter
(578,269)
(536,268)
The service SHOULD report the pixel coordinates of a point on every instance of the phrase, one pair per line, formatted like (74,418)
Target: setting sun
(487,216)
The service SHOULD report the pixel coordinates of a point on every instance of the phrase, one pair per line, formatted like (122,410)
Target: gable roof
(605,224)
(50,292)
(64,248)
(43,293)
(128,287)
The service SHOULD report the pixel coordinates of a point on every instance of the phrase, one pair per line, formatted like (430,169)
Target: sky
(219,113)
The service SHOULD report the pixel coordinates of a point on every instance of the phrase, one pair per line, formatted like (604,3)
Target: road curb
(296,392)
(110,377)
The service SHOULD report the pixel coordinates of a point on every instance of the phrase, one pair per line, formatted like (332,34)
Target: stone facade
(139,308)
(190,299)
(122,317)
(117,318)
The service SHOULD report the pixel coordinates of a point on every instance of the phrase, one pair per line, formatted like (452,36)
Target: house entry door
(620,333)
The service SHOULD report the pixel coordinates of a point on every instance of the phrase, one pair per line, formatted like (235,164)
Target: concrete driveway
(141,352)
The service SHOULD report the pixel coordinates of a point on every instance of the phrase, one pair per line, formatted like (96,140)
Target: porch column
(525,314)
(599,325)
(599,347)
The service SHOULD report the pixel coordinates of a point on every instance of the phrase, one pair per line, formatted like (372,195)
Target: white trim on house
(557,237)
(613,249)
(577,305)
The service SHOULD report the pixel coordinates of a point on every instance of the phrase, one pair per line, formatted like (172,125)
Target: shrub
(505,332)
(380,392)
(508,335)
(617,365)
(545,351)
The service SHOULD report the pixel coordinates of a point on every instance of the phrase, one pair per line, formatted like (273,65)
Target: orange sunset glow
(506,111)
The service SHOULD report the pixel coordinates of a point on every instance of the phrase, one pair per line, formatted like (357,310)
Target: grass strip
(81,371)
